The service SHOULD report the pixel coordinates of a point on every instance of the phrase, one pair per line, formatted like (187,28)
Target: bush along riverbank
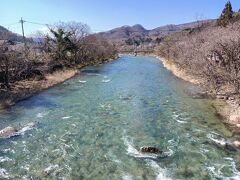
(28,68)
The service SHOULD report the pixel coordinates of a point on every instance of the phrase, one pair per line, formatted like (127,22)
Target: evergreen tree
(63,43)
(226,16)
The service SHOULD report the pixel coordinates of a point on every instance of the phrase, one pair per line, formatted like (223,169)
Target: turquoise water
(91,127)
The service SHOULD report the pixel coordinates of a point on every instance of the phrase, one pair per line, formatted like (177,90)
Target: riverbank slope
(26,88)
(227,107)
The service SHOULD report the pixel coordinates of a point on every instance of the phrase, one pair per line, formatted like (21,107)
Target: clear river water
(91,127)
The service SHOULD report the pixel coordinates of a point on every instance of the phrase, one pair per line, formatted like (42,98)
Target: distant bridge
(149,51)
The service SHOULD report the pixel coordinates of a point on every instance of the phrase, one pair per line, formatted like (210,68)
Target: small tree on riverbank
(65,42)
(71,43)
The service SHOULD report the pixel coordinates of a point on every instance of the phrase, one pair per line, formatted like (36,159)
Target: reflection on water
(92,126)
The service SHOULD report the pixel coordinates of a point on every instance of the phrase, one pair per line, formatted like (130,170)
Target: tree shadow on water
(36,102)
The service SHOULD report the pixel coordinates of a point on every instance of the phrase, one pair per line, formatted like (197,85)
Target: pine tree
(226,16)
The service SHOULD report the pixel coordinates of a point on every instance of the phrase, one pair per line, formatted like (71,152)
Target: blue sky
(103,15)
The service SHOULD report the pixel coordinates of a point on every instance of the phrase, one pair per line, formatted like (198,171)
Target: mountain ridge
(3,29)
(138,31)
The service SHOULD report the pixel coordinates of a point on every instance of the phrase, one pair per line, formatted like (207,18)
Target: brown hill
(138,31)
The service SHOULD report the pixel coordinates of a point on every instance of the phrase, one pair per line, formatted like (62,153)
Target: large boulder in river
(148,149)
(7,132)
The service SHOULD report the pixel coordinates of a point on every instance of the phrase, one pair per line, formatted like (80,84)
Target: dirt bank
(180,73)
(27,88)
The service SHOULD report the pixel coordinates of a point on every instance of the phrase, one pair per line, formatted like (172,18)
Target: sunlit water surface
(92,126)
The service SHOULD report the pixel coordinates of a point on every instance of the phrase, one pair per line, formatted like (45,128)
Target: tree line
(67,45)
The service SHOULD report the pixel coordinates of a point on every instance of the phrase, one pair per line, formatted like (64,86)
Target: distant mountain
(5,34)
(3,29)
(124,32)
(138,31)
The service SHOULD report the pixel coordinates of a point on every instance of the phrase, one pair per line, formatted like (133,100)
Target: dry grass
(180,73)
(59,76)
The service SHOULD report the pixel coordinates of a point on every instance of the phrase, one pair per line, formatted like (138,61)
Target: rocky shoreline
(226,106)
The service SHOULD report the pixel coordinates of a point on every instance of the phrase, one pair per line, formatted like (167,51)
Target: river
(91,126)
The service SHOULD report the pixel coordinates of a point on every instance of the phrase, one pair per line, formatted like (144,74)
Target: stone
(236,144)
(221,97)
(8,132)
(234,118)
(230,147)
(11,131)
(147,149)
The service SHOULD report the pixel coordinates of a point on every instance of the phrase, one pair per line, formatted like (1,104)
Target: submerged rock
(49,169)
(8,132)
(148,149)
(11,131)
(227,145)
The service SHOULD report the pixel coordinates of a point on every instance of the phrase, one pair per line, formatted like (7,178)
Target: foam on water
(215,169)
(4,173)
(217,139)
(8,150)
(160,172)
(41,114)
(106,80)
(66,117)
(127,177)
(93,74)
(113,158)
(50,169)
(181,122)
(4,159)
(216,172)
(82,81)
(27,127)
(178,117)
(130,149)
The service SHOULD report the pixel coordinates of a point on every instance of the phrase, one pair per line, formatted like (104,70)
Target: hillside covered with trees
(216,49)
